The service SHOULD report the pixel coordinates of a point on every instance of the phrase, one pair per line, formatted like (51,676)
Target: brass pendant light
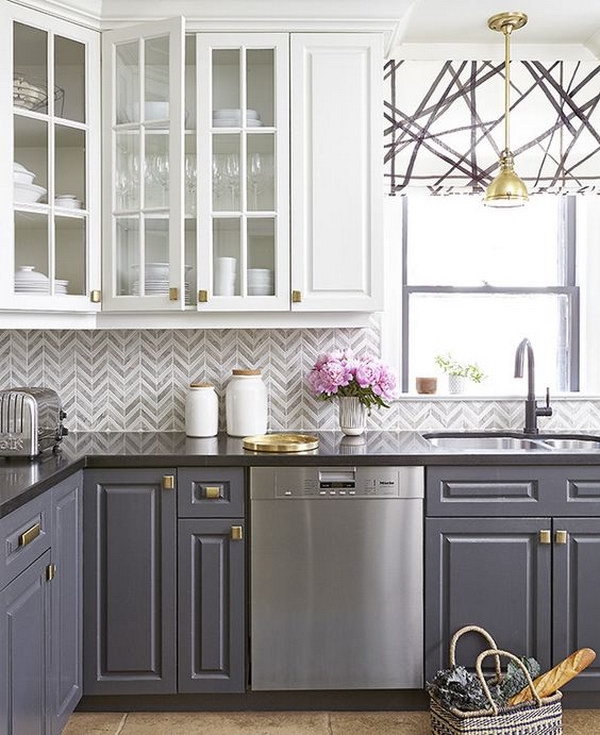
(507,189)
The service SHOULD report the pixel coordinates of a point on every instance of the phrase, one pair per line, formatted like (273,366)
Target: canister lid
(201,385)
(246,372)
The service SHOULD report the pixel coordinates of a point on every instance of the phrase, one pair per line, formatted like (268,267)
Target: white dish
(236,123)
(68,203)
(28,193)
(23,177)
(232,112)
(29,273)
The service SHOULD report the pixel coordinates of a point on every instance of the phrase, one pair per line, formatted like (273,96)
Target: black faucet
(532,410)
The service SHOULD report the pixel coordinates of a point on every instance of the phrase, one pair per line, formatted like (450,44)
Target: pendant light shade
(507,189)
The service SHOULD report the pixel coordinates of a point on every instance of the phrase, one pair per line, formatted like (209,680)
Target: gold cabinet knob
(96,296)
(168,482)
(50,572)
(173,294)
(212,492)
(296,297)
(237,533)
(560,537)
(545,536)
(202,296)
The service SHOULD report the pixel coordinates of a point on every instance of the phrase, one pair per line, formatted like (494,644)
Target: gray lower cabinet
(130,608)
(576,608)
(25,623)
(65,683)
(211,605)
(493,572)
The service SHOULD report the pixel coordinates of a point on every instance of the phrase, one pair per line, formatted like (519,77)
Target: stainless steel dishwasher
(336,577)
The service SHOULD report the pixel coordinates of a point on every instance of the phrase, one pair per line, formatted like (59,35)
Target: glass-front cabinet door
(143,68)
(50,163)
(237,158)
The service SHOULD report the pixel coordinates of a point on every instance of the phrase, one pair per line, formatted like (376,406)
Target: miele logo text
(387,482)
(10,443)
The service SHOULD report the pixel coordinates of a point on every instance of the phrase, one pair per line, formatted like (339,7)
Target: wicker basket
(542,716)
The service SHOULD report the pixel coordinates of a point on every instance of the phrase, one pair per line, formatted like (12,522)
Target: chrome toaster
(31,420)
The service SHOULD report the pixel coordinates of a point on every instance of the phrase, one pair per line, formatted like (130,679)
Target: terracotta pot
(426,386)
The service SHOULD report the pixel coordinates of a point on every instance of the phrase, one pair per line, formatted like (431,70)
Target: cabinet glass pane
(127,82)
(226,249)
(127,170)
(260,86)
(69,181)
(191,176)
(69,76)
(156,237)
(190,82)
(156,78)
(127,237)
(30,59)
(226,173)
(31,160)
(261,257)
(191,276)
(70,247)
(226,88)
(31,253)
(261,173)
(156,169)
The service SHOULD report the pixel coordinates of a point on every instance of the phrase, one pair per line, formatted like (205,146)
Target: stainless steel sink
(512,441)
(471,442)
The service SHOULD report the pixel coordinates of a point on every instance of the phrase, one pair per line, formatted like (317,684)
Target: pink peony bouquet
(341,374)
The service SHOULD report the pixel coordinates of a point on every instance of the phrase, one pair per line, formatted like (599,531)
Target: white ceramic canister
(202,411)
(246,404)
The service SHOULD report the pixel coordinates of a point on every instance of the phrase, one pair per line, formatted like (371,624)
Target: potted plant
(358,382)
(458,373)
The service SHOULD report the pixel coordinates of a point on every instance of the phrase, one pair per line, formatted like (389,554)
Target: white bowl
(20,177)
(68,203)
(27,275)
(28,193)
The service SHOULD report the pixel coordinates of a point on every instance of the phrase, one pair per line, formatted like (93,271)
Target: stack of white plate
(60,286)
(68,201)
(260,282)
(157,282)
(28,280)
(25,191)
(232,118)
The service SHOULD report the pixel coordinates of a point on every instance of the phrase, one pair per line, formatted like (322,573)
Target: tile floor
(577,722)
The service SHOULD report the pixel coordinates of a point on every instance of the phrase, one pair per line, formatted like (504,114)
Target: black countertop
(21,480)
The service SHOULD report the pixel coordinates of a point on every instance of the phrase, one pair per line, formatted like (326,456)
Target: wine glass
(232,176)
(256,175)
(191,182)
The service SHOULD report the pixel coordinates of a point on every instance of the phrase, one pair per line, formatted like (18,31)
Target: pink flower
(386,384)
(367,373)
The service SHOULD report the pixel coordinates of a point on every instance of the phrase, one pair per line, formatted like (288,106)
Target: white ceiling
(464,21)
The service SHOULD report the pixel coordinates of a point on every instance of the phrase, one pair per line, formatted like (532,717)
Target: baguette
(553,680)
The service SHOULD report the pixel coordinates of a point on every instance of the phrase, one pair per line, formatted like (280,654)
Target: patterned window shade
(444,125)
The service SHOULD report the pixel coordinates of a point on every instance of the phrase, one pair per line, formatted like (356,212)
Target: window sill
(474,397)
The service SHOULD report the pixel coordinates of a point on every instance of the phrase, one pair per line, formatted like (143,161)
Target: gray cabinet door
(25,652)
(211,606)
(488,572)
(129,582)
(65,681)
(575,591)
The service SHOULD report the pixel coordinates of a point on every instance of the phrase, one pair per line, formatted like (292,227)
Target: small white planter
(456,384)
(352,416)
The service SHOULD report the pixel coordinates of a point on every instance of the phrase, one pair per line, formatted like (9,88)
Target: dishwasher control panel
(337,482)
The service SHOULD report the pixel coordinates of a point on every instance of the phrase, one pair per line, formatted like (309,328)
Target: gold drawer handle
(28,536)
(168,482)
(560,537)
(545,537)
(237,533)
(50,572)
(212,492)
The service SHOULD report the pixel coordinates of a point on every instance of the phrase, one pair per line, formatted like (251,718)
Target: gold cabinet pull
(96,296)
(202,296)
(296,297)
(560,537)
(545,536)
(168,482)
(173,294)
(50,572)
(237,533)
(212,492)
(28,536)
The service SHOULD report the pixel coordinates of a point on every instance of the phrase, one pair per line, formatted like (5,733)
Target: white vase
(201,411)
(246,404)
(456,384)
(352,416)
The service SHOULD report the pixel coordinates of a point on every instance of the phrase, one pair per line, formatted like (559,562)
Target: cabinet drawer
(487,491)
(25,535)
(210,492)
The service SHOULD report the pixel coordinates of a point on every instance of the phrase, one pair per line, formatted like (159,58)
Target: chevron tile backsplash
(137,380)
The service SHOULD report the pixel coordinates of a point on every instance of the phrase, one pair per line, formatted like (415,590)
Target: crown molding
(593,44)
(85,13)
(493,52)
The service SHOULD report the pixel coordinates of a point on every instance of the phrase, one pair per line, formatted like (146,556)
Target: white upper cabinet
(238,206)
(336,175)
(143,95)
(49,163)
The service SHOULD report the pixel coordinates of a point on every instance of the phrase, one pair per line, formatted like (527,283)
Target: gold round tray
(281,442)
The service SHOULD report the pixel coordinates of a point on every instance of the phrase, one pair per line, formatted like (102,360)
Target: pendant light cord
(507,31)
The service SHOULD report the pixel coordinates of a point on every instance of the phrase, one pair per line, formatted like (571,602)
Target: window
(476,280)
